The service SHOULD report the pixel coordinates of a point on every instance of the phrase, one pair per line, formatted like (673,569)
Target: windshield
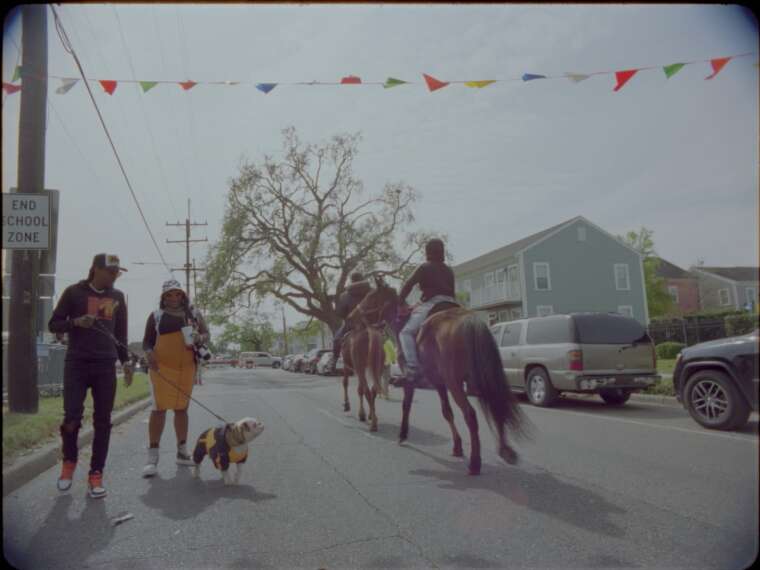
(609,329)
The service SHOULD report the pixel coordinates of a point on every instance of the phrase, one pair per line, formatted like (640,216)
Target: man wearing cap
(92,312)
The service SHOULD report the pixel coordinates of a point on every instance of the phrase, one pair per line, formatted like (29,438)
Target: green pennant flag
(16,73)
(393,82)
(672,69)
(148,85)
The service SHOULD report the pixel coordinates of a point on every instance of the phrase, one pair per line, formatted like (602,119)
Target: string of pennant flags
(622,77)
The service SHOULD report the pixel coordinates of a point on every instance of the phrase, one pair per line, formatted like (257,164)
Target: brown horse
(363,353)
(455,347)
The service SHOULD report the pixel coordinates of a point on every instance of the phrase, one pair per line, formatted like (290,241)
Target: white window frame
(502,273)
(627,277)
(489,277)
(516,313)
(467,285)
(581,233)
(673,290)
(536,265)
(720,297)
(503,316)
(513,280)
(493,319)
(625,310)
(751,299)
(543,308)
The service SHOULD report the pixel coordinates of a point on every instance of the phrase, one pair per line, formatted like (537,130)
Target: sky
(678,156)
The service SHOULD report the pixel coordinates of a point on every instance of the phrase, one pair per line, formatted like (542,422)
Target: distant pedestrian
(173,333)
(88,312)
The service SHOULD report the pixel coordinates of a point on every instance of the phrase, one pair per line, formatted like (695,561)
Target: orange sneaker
(95,483)
(67,474)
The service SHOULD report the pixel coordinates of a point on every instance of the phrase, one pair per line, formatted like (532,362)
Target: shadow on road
(183,497)
(540,492)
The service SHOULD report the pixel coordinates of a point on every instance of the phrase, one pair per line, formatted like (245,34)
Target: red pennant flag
(187,85)
(10,88)
(623,77)
(717,65)
(108,86)
(433,83)
(350,80)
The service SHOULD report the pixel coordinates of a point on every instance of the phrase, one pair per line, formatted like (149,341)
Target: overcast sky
(678,156)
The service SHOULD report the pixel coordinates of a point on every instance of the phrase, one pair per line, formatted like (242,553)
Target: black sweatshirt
(433,277)
(88,345)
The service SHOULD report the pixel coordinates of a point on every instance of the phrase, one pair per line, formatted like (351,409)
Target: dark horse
(455,347)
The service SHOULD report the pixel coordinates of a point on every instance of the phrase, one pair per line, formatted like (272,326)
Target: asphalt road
(640,486)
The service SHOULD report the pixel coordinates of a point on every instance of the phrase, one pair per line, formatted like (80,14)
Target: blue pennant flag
(529,76)
(266,87)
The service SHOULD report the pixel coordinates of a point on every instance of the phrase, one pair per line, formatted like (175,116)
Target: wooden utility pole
(22,343)
(187,241)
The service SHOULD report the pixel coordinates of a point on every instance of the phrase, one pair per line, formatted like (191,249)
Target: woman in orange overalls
(172,363)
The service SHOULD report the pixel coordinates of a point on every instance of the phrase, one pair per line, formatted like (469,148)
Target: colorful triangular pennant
(577,77)
(350,80)
(532,76)
(479,84)
(16,74)
(393,82)
(266,87)
(10,88)
(66,85)
(623,77)
(108,86)
(188,85)
(148,85)
(717,65)
(433,83)
(672,69)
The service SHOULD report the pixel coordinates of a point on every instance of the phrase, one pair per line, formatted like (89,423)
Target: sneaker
(95,483)
(151,465)
(183,457)
(67,474)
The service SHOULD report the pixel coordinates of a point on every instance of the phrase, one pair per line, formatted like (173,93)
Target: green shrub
(741,324)
(669,350)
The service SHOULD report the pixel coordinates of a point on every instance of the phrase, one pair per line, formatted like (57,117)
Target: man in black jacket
(87,311)
(347,302)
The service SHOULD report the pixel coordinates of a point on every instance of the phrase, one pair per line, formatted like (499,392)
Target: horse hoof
(473,472)
(362,418)
(509,455)
(373,428)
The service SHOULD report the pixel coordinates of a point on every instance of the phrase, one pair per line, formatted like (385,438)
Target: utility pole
(195,280)
(22,343)
(284,329)
(187,241)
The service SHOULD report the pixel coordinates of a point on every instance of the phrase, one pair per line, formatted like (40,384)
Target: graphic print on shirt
(102,307)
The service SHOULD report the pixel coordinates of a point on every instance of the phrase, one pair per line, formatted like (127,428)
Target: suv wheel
(714,402)
(539,388)
(615,396)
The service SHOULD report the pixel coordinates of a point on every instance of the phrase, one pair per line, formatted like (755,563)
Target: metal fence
(688,332)
(50,362)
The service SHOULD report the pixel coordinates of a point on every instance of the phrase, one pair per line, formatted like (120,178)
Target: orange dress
(176,364)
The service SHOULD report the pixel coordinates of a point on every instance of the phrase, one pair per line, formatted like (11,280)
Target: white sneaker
(151,466)
(183,457)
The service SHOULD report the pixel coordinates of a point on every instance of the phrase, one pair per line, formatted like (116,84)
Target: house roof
(506,251)
(669,270)
(734,273)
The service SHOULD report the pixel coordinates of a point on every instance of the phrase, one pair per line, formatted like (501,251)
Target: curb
(26,469)
(656,399)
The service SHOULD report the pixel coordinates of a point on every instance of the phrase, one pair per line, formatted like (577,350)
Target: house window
(489,279)
(542,280)
(516,314)
(467,285)
(500,276)
(581,233)
(724,297)
(673,290)
(493,318)
(751,293)
(544,310)
(625,310)
(503,316)
(622,282)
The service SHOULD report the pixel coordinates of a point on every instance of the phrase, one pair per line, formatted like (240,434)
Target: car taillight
(575,358)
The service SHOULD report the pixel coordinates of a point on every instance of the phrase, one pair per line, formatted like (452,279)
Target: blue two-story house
(574,266)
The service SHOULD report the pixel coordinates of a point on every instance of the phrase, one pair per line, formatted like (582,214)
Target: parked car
(247,360)
(311,359)
(601,353)
(323,366)
(295,366)
(717,381)
(287,361)
(253,359)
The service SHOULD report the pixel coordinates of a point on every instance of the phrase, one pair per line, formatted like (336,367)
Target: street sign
(26,221)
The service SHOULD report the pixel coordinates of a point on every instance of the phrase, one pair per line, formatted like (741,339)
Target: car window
(609,329)
(496,332)
(511,335)
(549,330)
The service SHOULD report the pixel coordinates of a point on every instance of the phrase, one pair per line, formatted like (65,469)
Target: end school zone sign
(26,221)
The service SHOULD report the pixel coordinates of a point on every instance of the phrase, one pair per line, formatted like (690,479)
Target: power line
(70,49)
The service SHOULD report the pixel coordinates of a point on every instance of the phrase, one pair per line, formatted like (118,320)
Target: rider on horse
(347,302)
(436,280)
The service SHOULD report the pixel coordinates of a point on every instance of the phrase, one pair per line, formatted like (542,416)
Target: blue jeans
(408,335)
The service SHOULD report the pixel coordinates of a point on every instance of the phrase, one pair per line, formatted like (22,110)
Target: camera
(203,353)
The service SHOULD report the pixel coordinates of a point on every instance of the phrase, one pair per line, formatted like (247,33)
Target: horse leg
(471,419)
(406,408)
(360,390)
(372,397)
(346,405)
(448,414)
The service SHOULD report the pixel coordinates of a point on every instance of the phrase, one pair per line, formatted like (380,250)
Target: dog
(225,446)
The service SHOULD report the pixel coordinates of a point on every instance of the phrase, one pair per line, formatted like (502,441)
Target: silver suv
(601,353)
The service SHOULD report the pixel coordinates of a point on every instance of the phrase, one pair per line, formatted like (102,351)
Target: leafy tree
(658,299)
(247,333)
(297,227)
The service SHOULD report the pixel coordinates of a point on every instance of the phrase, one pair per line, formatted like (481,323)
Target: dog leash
(135,358)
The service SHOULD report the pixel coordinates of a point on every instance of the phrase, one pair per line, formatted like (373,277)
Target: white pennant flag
(576,77)
(66,85)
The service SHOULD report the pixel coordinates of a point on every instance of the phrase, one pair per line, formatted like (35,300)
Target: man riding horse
(347,302)
(436,280)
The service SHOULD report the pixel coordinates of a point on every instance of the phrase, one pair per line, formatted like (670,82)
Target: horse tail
(486,375)
(375,349)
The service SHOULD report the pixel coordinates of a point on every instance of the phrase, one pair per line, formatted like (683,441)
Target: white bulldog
(227,445)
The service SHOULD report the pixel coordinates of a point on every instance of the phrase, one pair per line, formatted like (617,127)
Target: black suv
(717,381)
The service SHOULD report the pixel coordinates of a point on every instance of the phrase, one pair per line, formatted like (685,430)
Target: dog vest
(218,449)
